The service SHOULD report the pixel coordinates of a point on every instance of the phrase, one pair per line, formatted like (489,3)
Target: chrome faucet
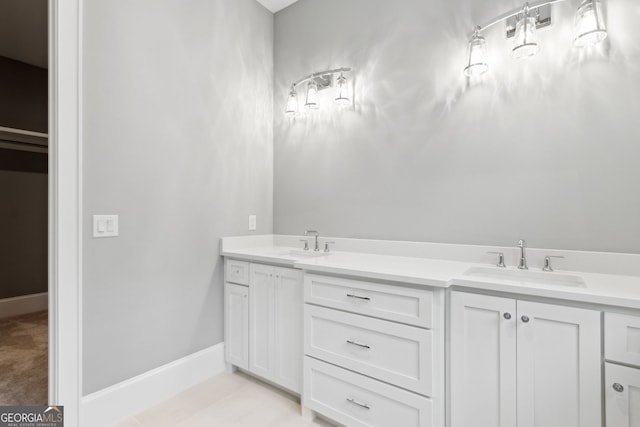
(315,234)
(522,264)
(547,262)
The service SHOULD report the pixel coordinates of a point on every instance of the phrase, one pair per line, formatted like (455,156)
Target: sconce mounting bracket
(324,81)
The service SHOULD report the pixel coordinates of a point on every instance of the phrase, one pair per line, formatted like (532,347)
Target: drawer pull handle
(359,297)
(355,402)
(618,387)
(358,344)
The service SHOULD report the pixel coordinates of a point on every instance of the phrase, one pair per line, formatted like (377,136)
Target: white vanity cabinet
(525,364)
(482,361)
(374,352)
(236,325)
(236,313)
(263,321)
(275,324)
(622,383)
(622,395)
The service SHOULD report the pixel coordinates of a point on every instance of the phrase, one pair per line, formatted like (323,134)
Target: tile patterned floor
(24,359)
(228,400)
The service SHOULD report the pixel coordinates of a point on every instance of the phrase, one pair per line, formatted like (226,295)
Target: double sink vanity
(419,334)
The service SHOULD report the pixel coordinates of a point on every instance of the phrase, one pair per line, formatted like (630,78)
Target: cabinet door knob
(507,316)
(618,387)
(525,319)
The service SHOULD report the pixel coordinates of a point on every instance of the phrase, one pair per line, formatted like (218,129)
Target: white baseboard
(128,398)
(26,304)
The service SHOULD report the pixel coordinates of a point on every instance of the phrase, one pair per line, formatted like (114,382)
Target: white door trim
(65,207)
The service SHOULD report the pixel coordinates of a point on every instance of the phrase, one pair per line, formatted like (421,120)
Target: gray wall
(23,215)
(545,150)
(178,141)
(23,91)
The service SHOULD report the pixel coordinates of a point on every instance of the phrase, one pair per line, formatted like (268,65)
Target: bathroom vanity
(412,334)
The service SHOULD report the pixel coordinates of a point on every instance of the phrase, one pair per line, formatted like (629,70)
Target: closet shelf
(25,140)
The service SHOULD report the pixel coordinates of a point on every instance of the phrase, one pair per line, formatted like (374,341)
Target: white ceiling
(276,5)
(23,31)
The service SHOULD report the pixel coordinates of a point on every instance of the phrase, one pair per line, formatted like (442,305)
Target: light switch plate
(253,222)
(105,226)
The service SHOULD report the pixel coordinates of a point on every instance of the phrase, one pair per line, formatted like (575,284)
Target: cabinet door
(559,370)
(261,327)
(622,395)
(483,361)
(236,325)
(288,328)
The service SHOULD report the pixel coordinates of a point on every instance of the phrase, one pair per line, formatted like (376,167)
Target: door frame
(65,207)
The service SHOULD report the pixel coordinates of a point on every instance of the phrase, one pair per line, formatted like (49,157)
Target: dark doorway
(23,202)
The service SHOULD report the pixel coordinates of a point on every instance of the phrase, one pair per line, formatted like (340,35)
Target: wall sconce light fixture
(342,94)
(312,96)
(316,83)
(589,26)
(477,64)
(525,44)
(522,24)
(292,103)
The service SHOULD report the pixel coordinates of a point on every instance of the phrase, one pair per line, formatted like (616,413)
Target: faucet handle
(326,246)
(306,244)
(547,262)
(500,259)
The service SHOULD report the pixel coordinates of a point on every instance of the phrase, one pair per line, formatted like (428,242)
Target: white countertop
(605,289)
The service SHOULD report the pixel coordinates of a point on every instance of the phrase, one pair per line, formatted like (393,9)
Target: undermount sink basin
(310,254)
(299,253)
(541,278)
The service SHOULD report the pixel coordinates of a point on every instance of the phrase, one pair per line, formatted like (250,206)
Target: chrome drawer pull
(358,297)
(355,402)
(358,344)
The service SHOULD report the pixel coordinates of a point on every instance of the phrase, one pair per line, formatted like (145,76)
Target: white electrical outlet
(105,226)
(253,224)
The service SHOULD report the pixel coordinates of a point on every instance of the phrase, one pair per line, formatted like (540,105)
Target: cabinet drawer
(355,400)
(622,395)
(622,338)
(236,271)
(406,305)
(398,354)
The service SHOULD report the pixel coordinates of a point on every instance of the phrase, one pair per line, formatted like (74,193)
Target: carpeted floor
(24,359)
